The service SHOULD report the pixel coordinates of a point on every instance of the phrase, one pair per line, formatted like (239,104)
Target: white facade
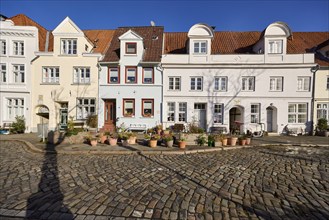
(321,94)
(18,44)
(130,90)
(239,89)
(65,83)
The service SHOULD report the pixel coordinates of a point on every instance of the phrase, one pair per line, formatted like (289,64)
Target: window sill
(174,90)
(77,84)
(49,83)
(17,56)
(68,55)
(147,116)
(247,90)
(220,90)
(131,54)
(303,91)
(127,116)
(275,90)
(195,90)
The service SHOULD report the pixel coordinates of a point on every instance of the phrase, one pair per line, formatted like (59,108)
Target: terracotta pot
(113,141)
(233,141)
(182,144)
(248,140)
(153,143)
(132,140)
(224,141)
(243,142)
(103,139)
(93,143)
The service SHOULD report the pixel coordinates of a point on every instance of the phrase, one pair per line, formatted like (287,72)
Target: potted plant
(154,140)
(147,138)
(124,136)
(242,140)
(169,140)
(92,121)
(102,137)
(158,129)
(232,140)
(182,143)
(211,140)
(113,138)
(223,139)
(201,140)
(92,140)
(322,127)
(132,138)
(218,140)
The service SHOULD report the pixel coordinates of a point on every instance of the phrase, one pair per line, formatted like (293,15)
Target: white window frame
(322,111)
(19,74)
(18,48)
(125,112)
(218,113)
(174,83)
(171,107)
(196,83)
(255,113)
(81,75)
(276,83)
(248,83)
(295,115)
(128,81)
(200,47)
(15,107)
(3,72)
(3,47)
(84,107)
(275,46)
(69,46)
(221,83)
(50,74)
(182,111)
(303,83)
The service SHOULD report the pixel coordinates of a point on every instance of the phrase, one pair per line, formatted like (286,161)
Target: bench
(7,126)
(137,127)
(218,130)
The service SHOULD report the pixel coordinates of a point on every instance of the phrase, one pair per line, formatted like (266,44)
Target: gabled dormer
(131,46)
(69,39)
(200,36)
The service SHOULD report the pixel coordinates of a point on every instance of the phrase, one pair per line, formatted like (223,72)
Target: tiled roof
(100,38)
(23,20)
(152,47)
(242,42)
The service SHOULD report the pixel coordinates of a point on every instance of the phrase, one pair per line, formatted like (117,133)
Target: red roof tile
(100,38)
(152,47)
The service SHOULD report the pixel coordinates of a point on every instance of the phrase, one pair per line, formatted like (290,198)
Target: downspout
(314,69)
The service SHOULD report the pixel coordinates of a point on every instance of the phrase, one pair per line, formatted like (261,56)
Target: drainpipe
(314,69)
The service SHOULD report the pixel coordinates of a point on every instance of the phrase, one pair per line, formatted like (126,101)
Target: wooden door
(110,114)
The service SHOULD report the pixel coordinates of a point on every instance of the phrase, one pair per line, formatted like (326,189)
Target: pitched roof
(152,47)
(100,38)
(23,20)
(243,42)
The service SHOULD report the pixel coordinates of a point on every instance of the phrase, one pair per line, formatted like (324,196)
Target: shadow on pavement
(48,201)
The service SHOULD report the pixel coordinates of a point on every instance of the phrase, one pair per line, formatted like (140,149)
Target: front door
(269,119)
(110,113)
(63,118)
(200,115)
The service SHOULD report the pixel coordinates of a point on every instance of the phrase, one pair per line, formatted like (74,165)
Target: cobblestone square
(248,183)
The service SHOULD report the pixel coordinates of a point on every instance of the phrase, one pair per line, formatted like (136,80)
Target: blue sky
(175,15)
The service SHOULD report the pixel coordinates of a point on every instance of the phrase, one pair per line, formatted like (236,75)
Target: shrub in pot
(182,143)
(169,140)
(113,138)
(322,127)
(154,140)
(201,140)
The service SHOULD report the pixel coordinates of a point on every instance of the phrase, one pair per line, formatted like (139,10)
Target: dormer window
(275,46)
(69,46)
(200,47)
(131,48)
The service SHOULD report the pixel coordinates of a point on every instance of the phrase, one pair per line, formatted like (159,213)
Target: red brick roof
(152,47)
(23,20)
(242,42)
(100,38)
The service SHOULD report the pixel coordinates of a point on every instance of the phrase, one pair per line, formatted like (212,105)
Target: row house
(19,38)
(321,84)
(130,85)
(237,80)
(65,76)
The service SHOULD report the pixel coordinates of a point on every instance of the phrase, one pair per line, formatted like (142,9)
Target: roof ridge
(29,19)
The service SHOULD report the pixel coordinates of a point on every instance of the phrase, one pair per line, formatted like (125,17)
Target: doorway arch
(236,119)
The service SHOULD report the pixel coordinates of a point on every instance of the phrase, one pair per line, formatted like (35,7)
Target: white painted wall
(321,93)
(29,35)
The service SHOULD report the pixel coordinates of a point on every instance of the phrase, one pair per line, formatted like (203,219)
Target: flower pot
(218,144)
(243,142)
(224,141)
(169,143)
(125,142)
(233,141)
(181,144)
(103,139)
(132,140)
(93,143)
(113,141)
(153,143)
(248,140)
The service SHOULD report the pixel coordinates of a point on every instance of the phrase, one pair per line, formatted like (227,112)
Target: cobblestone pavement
(251,183)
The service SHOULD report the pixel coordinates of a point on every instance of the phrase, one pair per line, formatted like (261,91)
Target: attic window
(86,48)
(154,37)
(200,47)
(131,48)
(275,46)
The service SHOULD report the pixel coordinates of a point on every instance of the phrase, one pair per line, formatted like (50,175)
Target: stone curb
(34,149)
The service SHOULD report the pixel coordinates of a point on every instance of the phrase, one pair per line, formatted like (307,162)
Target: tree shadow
(48,201)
